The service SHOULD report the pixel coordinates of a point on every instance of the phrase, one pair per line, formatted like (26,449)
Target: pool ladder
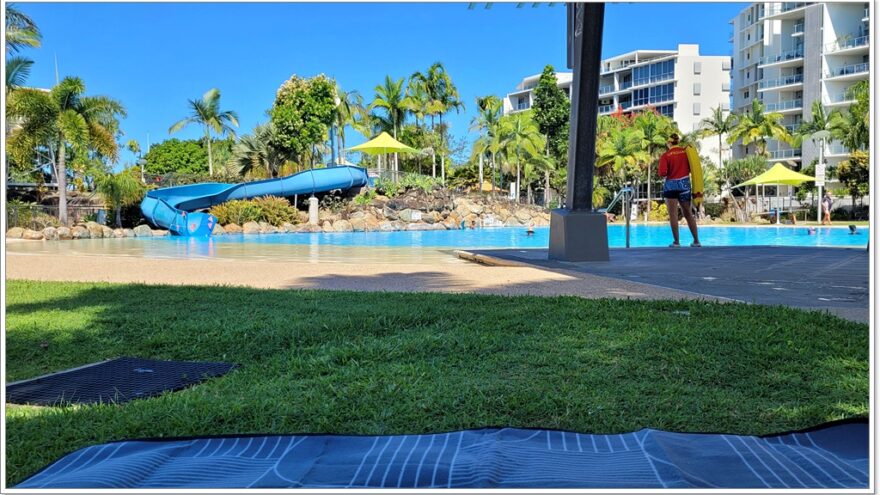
(625,197)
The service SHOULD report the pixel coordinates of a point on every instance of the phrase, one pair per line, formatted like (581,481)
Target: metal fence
(38,217)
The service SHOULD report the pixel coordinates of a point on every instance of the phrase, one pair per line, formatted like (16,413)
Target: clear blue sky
(153,57)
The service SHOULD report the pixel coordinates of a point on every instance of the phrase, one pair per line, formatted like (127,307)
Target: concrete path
(827,279)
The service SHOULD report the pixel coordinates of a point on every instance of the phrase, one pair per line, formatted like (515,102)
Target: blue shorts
(679,189)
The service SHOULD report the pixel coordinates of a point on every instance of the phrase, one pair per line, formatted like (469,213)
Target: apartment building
(681,84)
(790,54)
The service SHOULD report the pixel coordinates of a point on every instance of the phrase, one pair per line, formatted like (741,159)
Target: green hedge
(270,209)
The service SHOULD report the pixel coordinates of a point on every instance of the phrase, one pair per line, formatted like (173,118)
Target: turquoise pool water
(515,237)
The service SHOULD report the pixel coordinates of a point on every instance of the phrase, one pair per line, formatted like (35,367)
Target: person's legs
(691,221)
(672,208)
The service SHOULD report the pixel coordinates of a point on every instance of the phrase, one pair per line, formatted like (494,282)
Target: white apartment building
(790,54)
(681,84)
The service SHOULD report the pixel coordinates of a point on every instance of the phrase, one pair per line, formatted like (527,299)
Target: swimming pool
(515,237)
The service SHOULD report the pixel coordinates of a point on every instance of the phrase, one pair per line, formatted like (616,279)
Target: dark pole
(586,51)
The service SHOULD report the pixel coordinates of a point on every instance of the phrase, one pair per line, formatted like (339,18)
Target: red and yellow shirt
(674,164)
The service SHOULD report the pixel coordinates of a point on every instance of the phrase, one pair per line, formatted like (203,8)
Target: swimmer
(531,229)
(811,230)
(853,230)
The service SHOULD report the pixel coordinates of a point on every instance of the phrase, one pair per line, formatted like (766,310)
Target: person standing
(675,168)
(827,203)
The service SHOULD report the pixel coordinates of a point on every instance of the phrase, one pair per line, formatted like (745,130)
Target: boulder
(118,233)
(358,224)
(218,230)
(288,227)
(438,226)
(327,226)
(370,222)
(398,225)
(63,233)
(127,233)
(356,215)
(143,231)
(233,228)
(524,216)
(32,235)
(96,231)
(267,228)
(80,232)
(389,214)
(160,233)
(107,232)
(540,221)
(386,226)
(342,226)
(15,233)
(50,233)
(419,226)
(302,216)
(512,222)
(409,215)
(251,228)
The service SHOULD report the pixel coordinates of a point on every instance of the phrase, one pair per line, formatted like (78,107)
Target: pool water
(516,237)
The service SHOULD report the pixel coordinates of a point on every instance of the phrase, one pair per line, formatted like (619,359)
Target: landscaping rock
(389,214)
(342,226)
(327,226)
(267,228)
(288,227)
(419,226)
(251,228)
(63,234)
(356,215)
(398,225)
(15,233)
(358,225)
(106,231)
(96,231)
(143,231)
(218,230)
(233,228)
(80,232)
(32,235)
(524,216)
(50,233)
(512,222)
(127,233)
(160,233)
(386,226)
(118,233)
(410,215)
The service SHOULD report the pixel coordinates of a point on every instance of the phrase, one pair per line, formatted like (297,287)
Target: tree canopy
(176,156)
(302,113)
(551,113)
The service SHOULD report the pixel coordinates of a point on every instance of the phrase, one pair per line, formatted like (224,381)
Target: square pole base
(578,236)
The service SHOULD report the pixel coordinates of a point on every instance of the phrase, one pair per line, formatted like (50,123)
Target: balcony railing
(606,89)
(653,79)
(842,97)
(791,128)
(779,154)
(626,84)
(625,104)
(843,45)
(774,9)
(848,69)
(798,29)
(782,81)
(784,105)
(837,149)
(790,55)
(522,106)
(606,108)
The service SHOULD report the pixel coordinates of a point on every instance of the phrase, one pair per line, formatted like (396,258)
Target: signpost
(820,170)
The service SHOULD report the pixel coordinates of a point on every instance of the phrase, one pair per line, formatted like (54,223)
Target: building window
(640,97)
(522,103)
(746,94)
(698,67)
(666,110)
(664,92)
(697,88)
(696,109)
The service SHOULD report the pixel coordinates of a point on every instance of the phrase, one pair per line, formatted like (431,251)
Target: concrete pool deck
(836,280)
(796,277)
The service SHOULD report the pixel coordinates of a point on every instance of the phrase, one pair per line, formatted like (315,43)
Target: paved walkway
(828,279)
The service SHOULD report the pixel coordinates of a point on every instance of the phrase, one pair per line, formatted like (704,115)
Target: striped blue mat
(835,456)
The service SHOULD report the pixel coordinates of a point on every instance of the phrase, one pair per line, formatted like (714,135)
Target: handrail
(627,194)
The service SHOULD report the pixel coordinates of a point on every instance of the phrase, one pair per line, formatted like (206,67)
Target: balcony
(775,9)
(522,106)
(625,85)
(783,57)
(865,16)
(846,44)
(606,109)
(782,81)
(836,149)
(848,70)
(798,29)
(783,154)
(791,128)
(784,105)
(604,90)
(653,79)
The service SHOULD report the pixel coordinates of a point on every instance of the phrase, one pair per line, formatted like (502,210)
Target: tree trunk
(396,166)
(647,210)
(119,216)
(493,173)
(546,189)
(210,158)
(442,169)
(516,196)
(480,182)
(341,140)
(62,185)
(433,164)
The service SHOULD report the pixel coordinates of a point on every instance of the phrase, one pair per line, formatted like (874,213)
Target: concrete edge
(489,260)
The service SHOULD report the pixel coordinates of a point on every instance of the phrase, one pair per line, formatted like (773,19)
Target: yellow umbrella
(778,174)
(381,144)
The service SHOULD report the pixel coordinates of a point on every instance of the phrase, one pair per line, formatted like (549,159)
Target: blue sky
(155,56)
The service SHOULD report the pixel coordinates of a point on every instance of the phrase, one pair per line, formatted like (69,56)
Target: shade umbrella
(778,175)
(383,144)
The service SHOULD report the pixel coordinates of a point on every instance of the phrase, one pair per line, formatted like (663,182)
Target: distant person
(676,169)
(811,230)
(610,217)
(853,230)
(827,202)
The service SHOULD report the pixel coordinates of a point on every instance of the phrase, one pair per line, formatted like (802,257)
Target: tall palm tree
(756,126)
(21,31)
(850,129)
(521,139)
(206,112)
(64,118)
(718,124)
(350,105)
(255,154)
(389,96)
(656,130)
(17,71)
(120,190)
(486,123)
(622,151)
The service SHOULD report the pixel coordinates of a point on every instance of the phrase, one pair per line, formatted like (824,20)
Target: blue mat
(834,456)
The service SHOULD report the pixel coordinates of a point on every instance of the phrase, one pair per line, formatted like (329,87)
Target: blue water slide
(174,208)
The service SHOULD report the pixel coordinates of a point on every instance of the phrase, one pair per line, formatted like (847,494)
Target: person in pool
(676,169)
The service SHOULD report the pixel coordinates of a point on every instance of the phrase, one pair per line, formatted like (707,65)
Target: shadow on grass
(379,363)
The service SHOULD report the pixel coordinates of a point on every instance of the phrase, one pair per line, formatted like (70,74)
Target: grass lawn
(373,363)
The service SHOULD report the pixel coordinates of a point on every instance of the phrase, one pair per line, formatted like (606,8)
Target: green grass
(372,363)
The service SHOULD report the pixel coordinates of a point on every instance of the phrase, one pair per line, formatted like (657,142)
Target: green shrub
(714,210)
(365,198)
(270,209)
(388,187)
(658,212)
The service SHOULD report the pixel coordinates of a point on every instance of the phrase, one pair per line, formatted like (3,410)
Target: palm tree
(718,124)
(206,112)
(255,153)
(622,151)
(350,105)
(520,135)
(755,126)
(656,130)
(486,122)
(21,31)
(119,190)
(443,95)
(850,129)
(64,118)
(17,71)
(389,96)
